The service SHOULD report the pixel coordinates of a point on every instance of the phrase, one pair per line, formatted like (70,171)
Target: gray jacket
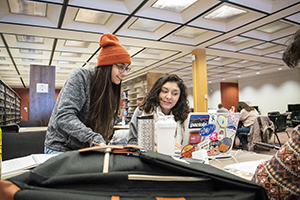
(66,129)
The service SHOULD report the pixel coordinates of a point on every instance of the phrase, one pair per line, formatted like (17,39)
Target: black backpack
(129,173)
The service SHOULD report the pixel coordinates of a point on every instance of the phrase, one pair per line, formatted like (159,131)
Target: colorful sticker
(221,134)
(232,121)
(222,121)
(213,136)
(213,152)
(207,130)
(212,119)
(187,151)
(203,145)
(195,138)
(198,121)
(225,145)
(214,144)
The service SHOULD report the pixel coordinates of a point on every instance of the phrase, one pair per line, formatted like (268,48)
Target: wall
(229,94)
(214,95)
(24,94)
(271,92)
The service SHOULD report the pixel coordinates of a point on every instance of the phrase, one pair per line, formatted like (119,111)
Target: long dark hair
(291,55)
(104,101)
(242,105)
(151,100)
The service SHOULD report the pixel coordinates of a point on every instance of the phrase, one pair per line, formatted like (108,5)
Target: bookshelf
(10,105)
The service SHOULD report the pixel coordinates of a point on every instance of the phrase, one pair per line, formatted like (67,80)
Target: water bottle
(165,133)
(145,128)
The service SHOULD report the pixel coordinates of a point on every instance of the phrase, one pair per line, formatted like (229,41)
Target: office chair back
(31,123)
(280,124)
(10,128)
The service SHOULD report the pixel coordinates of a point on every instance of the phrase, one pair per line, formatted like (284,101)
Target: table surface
(117,127)
(32,129)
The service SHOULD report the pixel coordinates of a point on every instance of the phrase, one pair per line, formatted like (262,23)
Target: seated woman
(247,116)
(168,96)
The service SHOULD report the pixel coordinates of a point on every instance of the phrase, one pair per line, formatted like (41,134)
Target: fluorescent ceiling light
(31,51)
(90,16)
(69,54)
(190,32)
(225,14)
(31,60)
(244,61)
(235,40)
(274,27)
(280,68)
(257,72)
(264,46)
(27,7)
(281,51)
(173,5)
(65,62)
(30,39)
(145,25)
(73,43)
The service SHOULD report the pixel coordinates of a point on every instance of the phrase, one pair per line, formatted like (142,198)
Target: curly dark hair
(291,55)
(151,100)
(242,105)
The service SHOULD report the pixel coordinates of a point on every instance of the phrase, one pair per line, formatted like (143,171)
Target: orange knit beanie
(112,51)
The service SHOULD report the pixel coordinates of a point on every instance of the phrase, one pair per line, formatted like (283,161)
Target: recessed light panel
(31,51)
(264,46)
(274,27)
(27,7)
(190,32)
(90,16)
(30,39)
(235,41)
(145,25)
(225,14)
(69,54)
(73,43)
(154,51)
(173,5)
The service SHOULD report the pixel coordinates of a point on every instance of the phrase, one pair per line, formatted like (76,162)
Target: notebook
(214,132)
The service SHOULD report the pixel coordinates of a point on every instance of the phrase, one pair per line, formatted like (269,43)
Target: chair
(295,118)
(10,128)
(30,123)
(280,125)
(22,144)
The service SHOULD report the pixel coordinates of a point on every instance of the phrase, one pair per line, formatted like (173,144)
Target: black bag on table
(126,173)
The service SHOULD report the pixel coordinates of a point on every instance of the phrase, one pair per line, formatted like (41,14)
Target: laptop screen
(214,132)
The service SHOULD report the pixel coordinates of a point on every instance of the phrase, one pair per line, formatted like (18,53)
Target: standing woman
(247,116)
(167,96)
(88,104)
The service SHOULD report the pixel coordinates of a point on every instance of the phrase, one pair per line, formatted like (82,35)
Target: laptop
(214,132)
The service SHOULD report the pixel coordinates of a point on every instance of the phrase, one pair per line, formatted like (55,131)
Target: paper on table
(24,163)
(249,166)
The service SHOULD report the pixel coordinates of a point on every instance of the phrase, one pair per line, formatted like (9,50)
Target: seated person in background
(247,116)
(221,109)
(232,109)
(280,175)
(88,103)
(168,96)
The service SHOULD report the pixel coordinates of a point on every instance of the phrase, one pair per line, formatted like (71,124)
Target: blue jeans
(50,151)
(243,137)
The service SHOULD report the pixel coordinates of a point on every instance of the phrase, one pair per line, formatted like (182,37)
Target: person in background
(221,109)
(88,103)
(280,175)
(232,109)
(168,96)
(246,117)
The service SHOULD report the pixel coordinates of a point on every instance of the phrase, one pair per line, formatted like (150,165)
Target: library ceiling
(242,38)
